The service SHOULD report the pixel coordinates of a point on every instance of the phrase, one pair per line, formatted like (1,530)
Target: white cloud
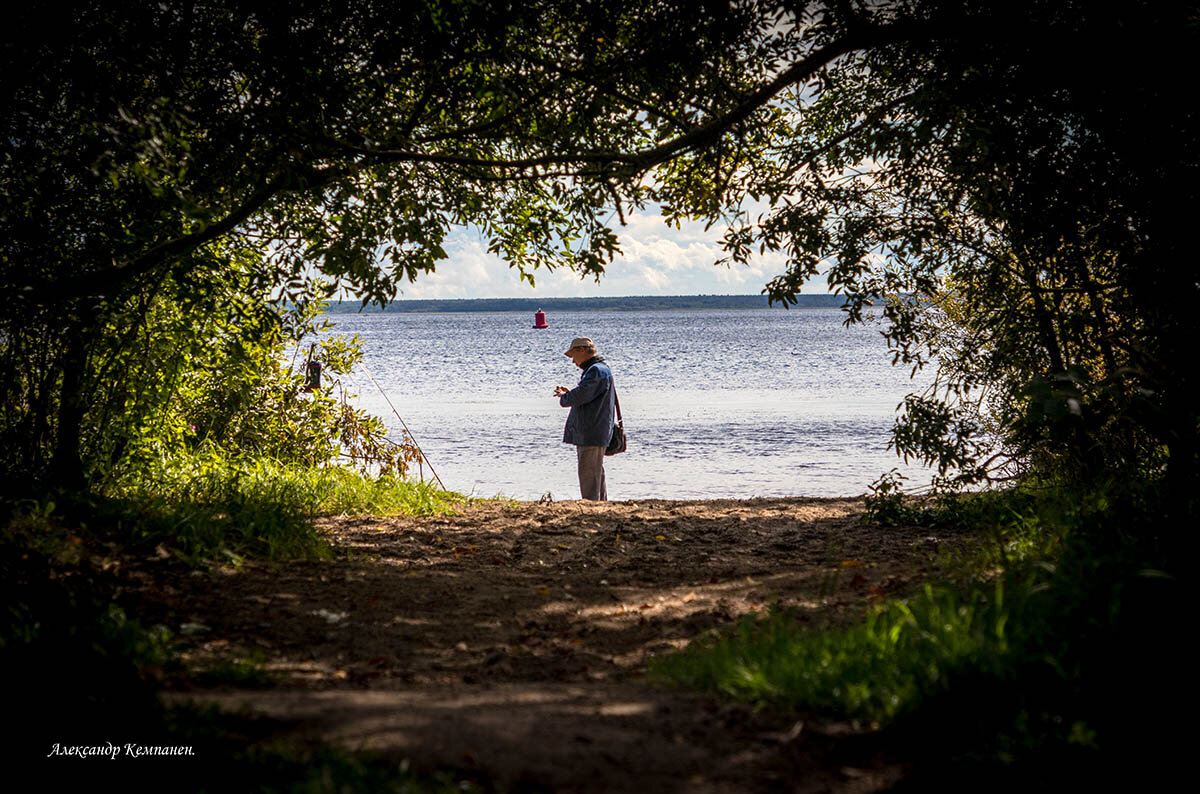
(656,259)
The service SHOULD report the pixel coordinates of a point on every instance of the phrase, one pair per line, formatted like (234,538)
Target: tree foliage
(996,172)
(154,153)
(1014,180)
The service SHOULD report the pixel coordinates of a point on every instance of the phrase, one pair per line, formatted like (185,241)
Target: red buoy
(539,319)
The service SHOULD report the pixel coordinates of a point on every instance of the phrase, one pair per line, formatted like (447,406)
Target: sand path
(512,639)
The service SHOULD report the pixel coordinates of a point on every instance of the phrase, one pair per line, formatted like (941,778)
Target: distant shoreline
(625,303)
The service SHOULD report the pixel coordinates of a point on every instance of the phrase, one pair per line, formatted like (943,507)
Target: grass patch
(211,507)
(875,670)
(1057,646)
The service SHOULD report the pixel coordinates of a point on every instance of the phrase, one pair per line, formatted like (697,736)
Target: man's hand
(559,391)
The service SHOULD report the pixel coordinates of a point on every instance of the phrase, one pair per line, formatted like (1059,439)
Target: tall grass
(875,670)
(1063,645)
(209,505)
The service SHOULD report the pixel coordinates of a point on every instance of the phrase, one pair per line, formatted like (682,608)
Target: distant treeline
(628,303)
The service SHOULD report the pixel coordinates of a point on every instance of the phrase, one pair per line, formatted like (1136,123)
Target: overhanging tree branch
(591,164)
(697,137)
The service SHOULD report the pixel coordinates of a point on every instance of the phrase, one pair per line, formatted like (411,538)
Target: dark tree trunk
(66,464)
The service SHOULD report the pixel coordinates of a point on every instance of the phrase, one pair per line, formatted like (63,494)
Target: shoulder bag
(617,445)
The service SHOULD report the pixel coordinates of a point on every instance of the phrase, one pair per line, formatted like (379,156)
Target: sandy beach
(512,639)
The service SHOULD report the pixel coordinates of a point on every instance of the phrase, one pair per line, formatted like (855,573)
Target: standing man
(590,423)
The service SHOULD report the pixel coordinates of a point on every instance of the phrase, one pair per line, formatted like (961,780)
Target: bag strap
(615,396)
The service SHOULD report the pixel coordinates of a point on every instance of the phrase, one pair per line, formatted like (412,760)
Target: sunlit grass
(874,670)
(214,507)
(1054,638)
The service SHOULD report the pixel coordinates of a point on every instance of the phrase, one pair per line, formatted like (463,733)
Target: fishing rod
(402,424)
(420,458)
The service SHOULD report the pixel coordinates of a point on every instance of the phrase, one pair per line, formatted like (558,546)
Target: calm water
(716,403)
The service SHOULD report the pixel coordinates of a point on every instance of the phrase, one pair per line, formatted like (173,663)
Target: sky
(657,260)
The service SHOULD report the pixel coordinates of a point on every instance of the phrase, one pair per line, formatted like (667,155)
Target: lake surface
(717,404)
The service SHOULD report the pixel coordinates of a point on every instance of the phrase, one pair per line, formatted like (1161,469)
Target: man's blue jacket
(593,406)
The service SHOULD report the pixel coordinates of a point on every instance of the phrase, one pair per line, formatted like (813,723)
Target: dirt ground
(512,639)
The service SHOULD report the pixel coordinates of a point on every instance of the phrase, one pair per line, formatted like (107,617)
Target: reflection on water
(717,403)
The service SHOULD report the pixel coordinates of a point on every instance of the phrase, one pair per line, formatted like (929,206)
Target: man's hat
(580,341)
